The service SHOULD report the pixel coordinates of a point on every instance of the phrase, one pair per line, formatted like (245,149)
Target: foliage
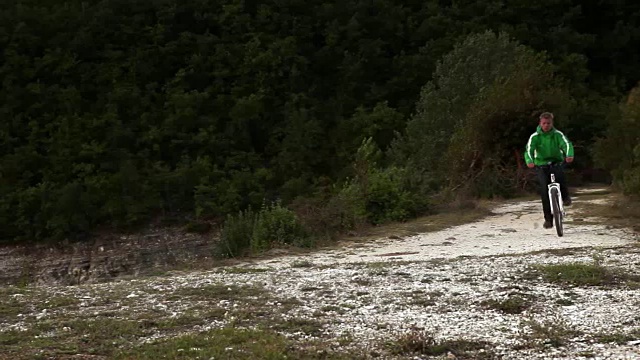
(382,194)
(116,112)
(276,226)
(255,232)
(472,120)
(619,151)
(236,233)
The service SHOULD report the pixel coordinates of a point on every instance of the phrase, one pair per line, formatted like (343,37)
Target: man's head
(546,121)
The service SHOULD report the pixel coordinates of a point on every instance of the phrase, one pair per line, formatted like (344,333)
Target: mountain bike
(555,198)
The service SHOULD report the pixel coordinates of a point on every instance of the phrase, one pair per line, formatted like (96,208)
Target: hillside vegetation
(305,117)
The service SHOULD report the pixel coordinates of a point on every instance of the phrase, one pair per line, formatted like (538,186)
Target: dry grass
(514,304)
(582,274)
(421,343)
(548,333)
(619,211)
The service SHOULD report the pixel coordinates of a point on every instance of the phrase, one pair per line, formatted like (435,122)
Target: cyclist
(547,145)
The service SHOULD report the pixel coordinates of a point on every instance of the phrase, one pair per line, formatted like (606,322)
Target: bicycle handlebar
(553,164)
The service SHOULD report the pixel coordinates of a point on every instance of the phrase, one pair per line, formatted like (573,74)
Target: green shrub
(387,198)
(236,233)
(275,226)
(325,216)
(380,194)
(250,232)
(619,151)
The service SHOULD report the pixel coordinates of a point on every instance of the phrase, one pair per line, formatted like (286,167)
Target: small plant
(554,333)
(241,270)
(302,264)
(565,302)
(511,305)
(299,325)
(221,291)
(422,343)
(581,274)
(275,225)
(10,307)
(618,338)
(250,232)
(236,233)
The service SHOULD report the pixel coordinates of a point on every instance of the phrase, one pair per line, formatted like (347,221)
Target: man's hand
(532,165)
(569,159)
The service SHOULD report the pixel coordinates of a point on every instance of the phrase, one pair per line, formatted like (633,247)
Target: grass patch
(618,338)
(583,274)
(14,301)
(239,270)
(220,292)
(185,321)
(102,335)
(228,343)
(302,264)
(11,307)
(421,343)
(333,308)
(59,301)
(622,212)
(512,305)
(553,333)
(56,339)
(424,299)
(300,326)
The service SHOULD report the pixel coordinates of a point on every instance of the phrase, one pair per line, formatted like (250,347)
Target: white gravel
(437,284)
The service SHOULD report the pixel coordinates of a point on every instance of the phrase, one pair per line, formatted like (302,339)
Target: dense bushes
(619,151)
(254,232)
(476,115)
(115,112)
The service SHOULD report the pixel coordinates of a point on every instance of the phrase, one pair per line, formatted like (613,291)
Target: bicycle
(555,199)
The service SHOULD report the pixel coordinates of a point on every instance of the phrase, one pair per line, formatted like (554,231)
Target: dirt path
(514,228)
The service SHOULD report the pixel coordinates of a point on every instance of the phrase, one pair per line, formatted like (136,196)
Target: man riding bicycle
(549,145)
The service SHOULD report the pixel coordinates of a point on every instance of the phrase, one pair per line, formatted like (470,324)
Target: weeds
(232,344)
(302,264)
(512,305)
(254,232)
(582,274)
(618,338)
(554,333)
(300,326)
(421,343)
(221,292)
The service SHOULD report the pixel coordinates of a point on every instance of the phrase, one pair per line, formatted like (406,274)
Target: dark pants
(544,179)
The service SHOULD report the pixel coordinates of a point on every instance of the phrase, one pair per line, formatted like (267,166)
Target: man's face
(546,124)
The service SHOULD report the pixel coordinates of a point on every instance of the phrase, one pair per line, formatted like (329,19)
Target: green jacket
(551,146)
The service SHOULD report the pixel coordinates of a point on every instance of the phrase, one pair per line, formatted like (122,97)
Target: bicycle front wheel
(557,214)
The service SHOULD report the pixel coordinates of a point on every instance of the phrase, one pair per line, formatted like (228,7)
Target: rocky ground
(498,288)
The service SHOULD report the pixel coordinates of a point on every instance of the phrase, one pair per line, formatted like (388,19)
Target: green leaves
(619,151)
(134,108)
(254,232)
(470,119)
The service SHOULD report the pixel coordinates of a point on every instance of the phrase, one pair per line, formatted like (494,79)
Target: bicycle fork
(556,185)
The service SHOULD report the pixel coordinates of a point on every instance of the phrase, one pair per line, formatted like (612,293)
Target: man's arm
(529,152)
(567,147)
